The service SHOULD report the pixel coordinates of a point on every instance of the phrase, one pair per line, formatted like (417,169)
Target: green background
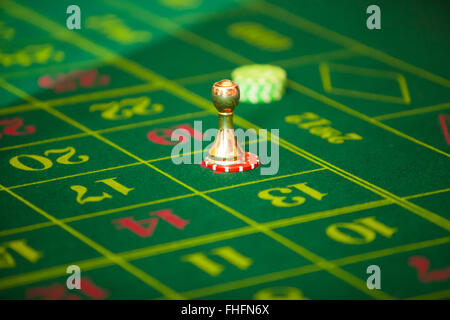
(398,173)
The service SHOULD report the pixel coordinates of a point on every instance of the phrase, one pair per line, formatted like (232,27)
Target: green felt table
(87,177)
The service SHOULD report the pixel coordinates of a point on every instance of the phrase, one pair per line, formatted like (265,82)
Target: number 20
(46,163)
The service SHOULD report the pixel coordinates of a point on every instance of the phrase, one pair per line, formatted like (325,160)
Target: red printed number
(444,120)
(58,291)
(13,127)
(71,81)
(422,265)
(163,136)
(145,227)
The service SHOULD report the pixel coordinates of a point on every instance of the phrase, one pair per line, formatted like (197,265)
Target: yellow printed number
(259,36)
(278,200)
(320,127)
(33,162)
(30,55)
(115,29)
(126,108)
(110,182)
(21,248)
(203,262)
(181,4)
(360,231)
(279,293)
(69,152)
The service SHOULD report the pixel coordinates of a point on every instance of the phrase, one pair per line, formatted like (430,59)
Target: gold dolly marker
(226,155)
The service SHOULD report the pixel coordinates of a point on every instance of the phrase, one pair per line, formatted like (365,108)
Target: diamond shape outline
(325,69)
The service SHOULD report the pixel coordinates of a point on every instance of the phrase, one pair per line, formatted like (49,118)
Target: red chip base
(251,162)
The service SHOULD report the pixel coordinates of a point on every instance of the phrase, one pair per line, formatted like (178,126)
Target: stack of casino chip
(260,83)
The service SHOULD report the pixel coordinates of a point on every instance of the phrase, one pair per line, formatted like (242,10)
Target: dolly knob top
(225,95)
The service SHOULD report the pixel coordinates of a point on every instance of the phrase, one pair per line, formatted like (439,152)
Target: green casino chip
(260,83)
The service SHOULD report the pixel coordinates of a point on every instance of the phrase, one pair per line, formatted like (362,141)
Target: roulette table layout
(362,181)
